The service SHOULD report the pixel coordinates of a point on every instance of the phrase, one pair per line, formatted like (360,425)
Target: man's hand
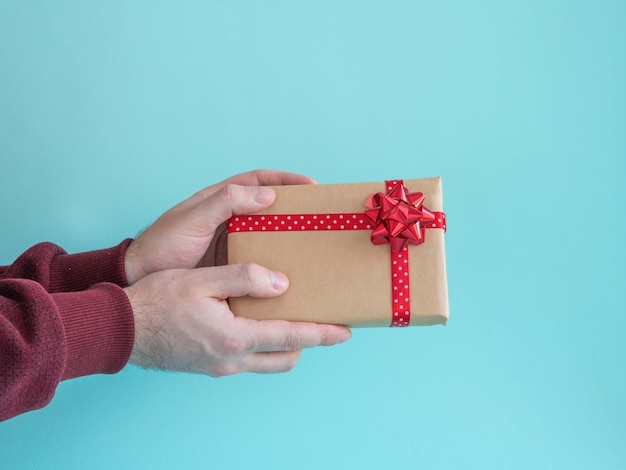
(179,286)
(191,234)
(183,323)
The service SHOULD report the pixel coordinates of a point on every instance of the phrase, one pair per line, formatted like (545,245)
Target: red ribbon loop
(399,217)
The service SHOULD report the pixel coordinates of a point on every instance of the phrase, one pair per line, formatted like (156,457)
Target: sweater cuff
(80,271)
(99,330)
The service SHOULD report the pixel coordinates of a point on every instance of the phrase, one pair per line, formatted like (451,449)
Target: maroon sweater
(61,316)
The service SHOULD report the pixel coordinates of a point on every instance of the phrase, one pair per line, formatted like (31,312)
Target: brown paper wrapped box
(337,276)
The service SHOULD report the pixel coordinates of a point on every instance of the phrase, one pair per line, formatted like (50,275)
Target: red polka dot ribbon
(295,222)
(396,217)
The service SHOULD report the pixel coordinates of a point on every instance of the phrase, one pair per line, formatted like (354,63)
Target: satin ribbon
(397,217)
(400,218)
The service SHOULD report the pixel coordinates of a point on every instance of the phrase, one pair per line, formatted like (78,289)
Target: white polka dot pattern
(401,310)
(295,222)
(401,298)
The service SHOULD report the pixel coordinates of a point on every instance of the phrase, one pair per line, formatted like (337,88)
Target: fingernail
(279,281)
(345,336)
(262,194)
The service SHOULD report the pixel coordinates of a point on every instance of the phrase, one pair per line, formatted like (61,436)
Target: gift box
(356,254)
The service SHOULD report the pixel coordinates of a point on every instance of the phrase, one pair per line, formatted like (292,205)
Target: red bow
(399,217)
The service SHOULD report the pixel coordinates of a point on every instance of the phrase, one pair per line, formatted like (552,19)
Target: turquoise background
(111,112)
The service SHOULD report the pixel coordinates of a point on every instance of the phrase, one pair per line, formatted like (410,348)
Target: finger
(209,213)
(255,178)
(269,178)
(278,335)
(236,280)
(271,362)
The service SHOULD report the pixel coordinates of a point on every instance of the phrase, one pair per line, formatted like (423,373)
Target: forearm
(57,271)
(80,271)
(46,338)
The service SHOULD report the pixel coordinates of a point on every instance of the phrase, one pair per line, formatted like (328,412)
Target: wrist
(99,329)
(131,264)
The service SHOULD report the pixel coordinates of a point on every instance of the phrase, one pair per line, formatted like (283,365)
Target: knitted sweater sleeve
(61,316)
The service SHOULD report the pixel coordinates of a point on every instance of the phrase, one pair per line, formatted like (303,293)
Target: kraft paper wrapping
(340,277)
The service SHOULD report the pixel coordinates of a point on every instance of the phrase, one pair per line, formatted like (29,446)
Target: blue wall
(111,112)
